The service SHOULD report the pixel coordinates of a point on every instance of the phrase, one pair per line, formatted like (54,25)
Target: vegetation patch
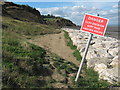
(69,41)
(76,53)
(28,28)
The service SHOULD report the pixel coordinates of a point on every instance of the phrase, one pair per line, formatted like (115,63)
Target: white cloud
(76,13)
(116,6)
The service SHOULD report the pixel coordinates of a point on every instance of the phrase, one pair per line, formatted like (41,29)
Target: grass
(69,41)
(67,66)
(76,54)
(89,79)
(50,19)
(23,62)
(27,28)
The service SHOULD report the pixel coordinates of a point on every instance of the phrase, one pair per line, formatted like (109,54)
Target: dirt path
(56,44)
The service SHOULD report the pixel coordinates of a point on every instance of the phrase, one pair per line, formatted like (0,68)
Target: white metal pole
(86,50)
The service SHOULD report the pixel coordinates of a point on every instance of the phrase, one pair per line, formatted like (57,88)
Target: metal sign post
(86,50)
(93,25)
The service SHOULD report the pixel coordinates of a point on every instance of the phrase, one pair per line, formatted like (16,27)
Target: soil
(55,43)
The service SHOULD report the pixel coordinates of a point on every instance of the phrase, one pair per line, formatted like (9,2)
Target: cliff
(29,14)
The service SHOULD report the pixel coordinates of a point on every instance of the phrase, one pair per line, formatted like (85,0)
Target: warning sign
(94,24)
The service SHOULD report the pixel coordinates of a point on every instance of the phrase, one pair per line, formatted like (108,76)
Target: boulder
(79,47)
(95,61)
(111,75)
(100,67)
(110,44)
(115,62)
(98,45)
(113,51)
(82,49)
(91,54)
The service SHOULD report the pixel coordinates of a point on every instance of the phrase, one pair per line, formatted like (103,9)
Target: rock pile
(102,54)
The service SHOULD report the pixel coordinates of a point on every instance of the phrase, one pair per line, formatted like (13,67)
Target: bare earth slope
(56,44)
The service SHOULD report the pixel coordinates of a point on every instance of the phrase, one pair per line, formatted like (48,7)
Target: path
(56,44)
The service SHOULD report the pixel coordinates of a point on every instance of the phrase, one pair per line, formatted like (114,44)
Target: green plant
(76,53)
(69,41)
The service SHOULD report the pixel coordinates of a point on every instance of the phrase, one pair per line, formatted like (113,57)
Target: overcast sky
(75,11)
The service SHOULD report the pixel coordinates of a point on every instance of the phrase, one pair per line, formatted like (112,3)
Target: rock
(111,75)
(100,67)
(92,43)
(113,51)
(80,36)
(110,44)
(115,44)
(79,47)
(103,53)
(115,62)
(82,49)
(98,45)
(95,61)
(98,53)
(91,54)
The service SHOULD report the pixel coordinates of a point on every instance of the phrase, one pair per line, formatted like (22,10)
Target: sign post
(93,25)
(86,50)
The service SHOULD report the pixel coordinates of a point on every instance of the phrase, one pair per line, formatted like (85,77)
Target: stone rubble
(102,54)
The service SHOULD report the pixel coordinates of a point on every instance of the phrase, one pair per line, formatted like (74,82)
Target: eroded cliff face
(29,14)
(102,54)
(21,12)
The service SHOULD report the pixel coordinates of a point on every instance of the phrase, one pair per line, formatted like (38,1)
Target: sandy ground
(56,43)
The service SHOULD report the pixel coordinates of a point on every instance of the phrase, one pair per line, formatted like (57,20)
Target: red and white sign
(94,24)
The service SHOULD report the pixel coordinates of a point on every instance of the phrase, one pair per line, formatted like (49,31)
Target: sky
(75,11)
(64,0)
